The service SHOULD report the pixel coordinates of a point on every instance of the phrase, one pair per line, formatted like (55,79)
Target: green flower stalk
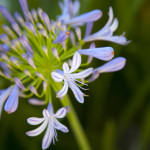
(36,54)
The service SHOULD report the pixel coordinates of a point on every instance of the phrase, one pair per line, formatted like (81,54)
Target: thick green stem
(76,126)
(75,123)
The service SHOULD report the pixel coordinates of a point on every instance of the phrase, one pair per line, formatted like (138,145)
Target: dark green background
(116,116)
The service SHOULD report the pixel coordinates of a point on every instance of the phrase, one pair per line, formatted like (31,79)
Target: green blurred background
(116,116)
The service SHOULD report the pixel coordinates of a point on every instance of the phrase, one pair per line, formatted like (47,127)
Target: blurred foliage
(116,116)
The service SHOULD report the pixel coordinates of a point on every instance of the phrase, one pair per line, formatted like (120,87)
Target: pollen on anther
(67,32)
(112,52)
(8,112)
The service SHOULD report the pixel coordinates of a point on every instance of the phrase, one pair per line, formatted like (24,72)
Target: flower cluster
(35,53)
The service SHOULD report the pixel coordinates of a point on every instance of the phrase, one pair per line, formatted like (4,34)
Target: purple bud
(18,82)
(39,75)
(45,49)
(39,25)
(55,52)
(6,13)
(15,26)
(24,6)
(44,33)
(31,62)
(14,60)
(37,102)
(25,43)
(88,30)
(46,20)
(33,90)
(34,14)
(78,32)
(8,31)
(4,38)
(31,28)
(61,37)
(19,18)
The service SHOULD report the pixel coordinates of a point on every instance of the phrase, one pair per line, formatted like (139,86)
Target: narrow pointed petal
(26,44)
(77,92)
(104,53)
(65,68)
(38,130)
(48,136)
(50,109)
(61,37)
(3,97)
(78,32)
(6,14)
(46,20)
(63,91)
(18,82)
(114,25)
(57,77)
(61,113)
(87,17)
(60,126)
(11,104)
(35,121)
(76,6)
(46,113)
(36,102)
(117,39)
(83,74)
(76,61)
(30,61)
(111,66)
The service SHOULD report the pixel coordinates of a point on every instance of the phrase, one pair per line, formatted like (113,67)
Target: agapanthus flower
(50,122)
(70,78)
(106,33)
(34,53)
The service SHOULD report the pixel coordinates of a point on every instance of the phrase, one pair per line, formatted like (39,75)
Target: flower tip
(8,112)
(67,33)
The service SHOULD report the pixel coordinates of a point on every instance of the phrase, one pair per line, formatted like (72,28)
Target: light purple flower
(103,53)
(69,78)
(50,122)
(106,33)
(111,66)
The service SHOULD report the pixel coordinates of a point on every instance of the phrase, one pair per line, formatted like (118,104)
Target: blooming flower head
(34,54)
(70,78)
(50,122)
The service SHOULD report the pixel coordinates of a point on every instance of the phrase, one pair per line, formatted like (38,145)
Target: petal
(117,39)
(82,74)
(87,17)
(35,121)
(12,101)
(63,91)
(77,92)
(94,76)
(38,130)
(61,37)
(49,135)
(76,6)
(111,66)
(114,25)
(61,113)
(50,109)
(76,61)
(3,97)
(60,126)
(104,53)
(46,113)
(65,68)
(57,77)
